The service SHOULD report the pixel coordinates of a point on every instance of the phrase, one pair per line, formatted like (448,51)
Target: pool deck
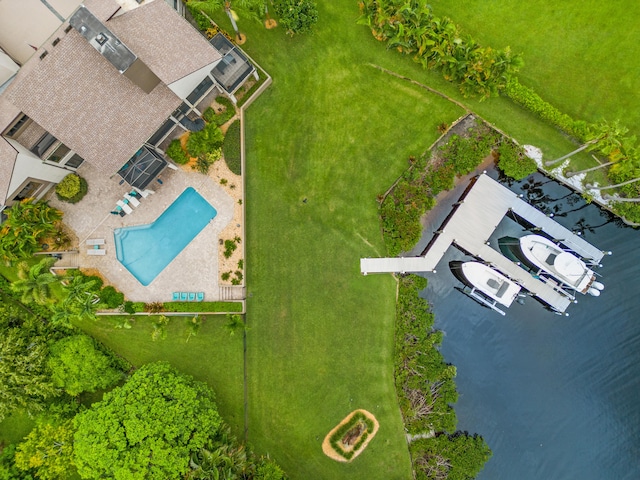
(195,269)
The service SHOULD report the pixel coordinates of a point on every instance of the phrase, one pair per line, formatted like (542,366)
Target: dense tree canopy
(24,377)
(48,451)
(146,429)
(77,366)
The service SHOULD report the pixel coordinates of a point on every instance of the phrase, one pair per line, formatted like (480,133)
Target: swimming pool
(146,250)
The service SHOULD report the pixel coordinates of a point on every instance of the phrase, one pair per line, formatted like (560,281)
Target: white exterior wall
(29,166)
(30,22)
(183,87)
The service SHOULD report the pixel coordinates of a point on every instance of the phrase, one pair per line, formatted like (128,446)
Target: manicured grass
(328,136)
(213,356)
(582,56)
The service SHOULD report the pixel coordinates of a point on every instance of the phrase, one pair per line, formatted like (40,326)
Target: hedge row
(530,100)
(231,148)
(222,307)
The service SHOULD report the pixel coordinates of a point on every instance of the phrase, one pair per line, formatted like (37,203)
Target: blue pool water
(145,250)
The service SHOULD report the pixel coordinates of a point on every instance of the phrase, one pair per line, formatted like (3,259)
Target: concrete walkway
(194,269)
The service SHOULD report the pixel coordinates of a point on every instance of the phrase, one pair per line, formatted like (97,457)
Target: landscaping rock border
(328,450)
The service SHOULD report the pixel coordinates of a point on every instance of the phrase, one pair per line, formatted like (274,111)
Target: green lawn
(582,56)
(213,356)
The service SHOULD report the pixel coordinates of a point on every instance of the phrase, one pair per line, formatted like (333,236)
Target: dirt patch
(329,450)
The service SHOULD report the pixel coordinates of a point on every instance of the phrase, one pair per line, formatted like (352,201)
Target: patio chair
(96,251)
(127,209)
(200,296)
(95,241)
(192,297)
(184,296)
(133,201)
(176,296)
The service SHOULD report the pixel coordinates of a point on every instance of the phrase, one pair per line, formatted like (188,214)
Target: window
(17,126)
(59,153)
(44,144)
(28,191)
(199,91)
(75,161)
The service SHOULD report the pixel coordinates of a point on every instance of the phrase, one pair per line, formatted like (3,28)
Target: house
(112,81)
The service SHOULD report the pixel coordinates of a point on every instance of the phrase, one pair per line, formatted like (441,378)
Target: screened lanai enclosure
(142,168)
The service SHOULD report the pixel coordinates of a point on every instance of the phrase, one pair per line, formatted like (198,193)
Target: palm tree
(62,315)
(34,281)
(247,7)
(78,288)
(27,223)
(624,153)
(606,138)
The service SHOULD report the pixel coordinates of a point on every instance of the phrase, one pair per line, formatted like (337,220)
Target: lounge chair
(200,296)
(96,251)
(176,296)
(184,296)
(133,201)
(192,297)
(95,241)
(124,206)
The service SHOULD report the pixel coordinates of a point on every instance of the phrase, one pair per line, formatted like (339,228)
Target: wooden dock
(470,225)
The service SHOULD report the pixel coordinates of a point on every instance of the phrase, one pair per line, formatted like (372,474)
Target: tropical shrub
(297,16)
(111,297)
(206,140)
(410,27)
(231,148)
(514,162)
(223,116)
(229,247)
(72,188)
(176,153)
(28,223)
(77,365)
(204,162)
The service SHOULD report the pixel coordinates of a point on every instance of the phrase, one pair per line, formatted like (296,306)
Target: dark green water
(555,397)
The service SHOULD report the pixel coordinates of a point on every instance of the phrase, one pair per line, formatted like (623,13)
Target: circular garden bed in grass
(351,436)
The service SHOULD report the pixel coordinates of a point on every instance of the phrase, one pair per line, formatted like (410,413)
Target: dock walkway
(470,225)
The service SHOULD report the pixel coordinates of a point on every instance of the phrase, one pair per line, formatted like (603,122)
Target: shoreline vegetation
(411,28)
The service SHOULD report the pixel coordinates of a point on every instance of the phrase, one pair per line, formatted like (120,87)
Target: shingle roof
(78,96)
(7,161)
(164,41)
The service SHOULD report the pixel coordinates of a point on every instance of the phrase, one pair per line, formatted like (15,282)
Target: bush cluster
(72,188)
(205,141)
(514,162)
(415,192)
(231,148)
(220,118)
(176,153)
(297,16)
(111,297)
(410,27)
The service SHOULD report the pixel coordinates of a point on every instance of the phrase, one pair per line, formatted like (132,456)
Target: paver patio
(193,269)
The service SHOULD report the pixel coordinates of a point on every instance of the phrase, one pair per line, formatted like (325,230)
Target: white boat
(488,286)
(542,253)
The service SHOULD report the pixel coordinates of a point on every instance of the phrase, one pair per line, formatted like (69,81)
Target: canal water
(555,397)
